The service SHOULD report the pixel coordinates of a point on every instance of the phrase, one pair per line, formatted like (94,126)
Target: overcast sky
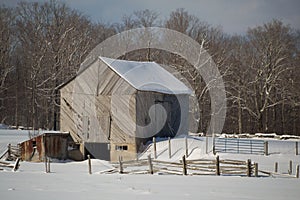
(235,16)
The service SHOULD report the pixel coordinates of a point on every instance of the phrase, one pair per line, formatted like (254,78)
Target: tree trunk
(274,118)
(260,123)
(239,112)
(266,124)
(294,110)
(17,106)
(282,118)
(33,105)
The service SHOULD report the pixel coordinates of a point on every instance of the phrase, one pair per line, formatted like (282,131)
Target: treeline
(43,44)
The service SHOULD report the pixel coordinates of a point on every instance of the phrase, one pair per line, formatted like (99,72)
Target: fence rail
(243,146)
(185,167)
(11,153)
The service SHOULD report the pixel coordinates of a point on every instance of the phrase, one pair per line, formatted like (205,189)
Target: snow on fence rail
(11,153)
(186,167)
(243,146)
(194,167)
(14,167)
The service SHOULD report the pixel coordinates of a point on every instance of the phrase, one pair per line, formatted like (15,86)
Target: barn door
(165,128)
(168,125)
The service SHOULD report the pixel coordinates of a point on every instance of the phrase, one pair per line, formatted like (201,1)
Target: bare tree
(238,83)
(54,41)
(271,58)
(6,49)
(146,18)
(181,21)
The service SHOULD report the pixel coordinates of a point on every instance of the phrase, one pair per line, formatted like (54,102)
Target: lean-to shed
(53,145)
(113,107)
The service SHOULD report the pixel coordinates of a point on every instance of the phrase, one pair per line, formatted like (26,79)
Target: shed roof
(147,76)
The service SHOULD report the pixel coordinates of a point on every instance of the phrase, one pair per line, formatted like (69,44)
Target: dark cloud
(235,16)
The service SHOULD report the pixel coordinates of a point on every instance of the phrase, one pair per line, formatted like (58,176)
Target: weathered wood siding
(99,106)
(67,111)
(53,145)
(123,127)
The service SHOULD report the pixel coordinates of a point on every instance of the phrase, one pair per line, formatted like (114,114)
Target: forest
(43,44)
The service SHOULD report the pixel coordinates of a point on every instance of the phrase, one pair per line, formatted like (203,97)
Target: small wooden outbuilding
(113,107)
(53,145)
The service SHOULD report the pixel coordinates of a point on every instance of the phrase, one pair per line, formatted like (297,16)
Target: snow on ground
(70,180)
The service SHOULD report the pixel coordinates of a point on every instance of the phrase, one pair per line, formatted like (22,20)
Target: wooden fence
(215,166)
(11,153)
(14,167)
(243,146)
(186,167)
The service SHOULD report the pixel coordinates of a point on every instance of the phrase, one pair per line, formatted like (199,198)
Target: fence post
(154,147)
(169,140)
(8,151)
(184,171)
(186,147)
(120,165)
(296,149)
(291,168)
(90,164)
(150,164)
(206,144)
(249,170)
(256,169)
(266,146)
(16,166)
(297,171)
(218,166)
(276,167)
(214,149)
(238,145)
(48,164)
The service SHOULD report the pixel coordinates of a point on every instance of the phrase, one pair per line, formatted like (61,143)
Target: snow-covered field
(70,180)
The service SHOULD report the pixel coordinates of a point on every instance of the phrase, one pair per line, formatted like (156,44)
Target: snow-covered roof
(147,76)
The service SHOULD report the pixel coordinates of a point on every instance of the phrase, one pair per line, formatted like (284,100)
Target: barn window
(121,147)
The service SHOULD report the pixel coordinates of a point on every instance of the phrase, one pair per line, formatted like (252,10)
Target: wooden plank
(114,170)
(17,165)
(4,163)
(234,162)
(170,171)
(211,162)
(9,166)
(3,154)
(225,172)
(202,174)
(212,169)
(166,162)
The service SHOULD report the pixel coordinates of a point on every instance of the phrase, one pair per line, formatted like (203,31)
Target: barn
(114,107)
